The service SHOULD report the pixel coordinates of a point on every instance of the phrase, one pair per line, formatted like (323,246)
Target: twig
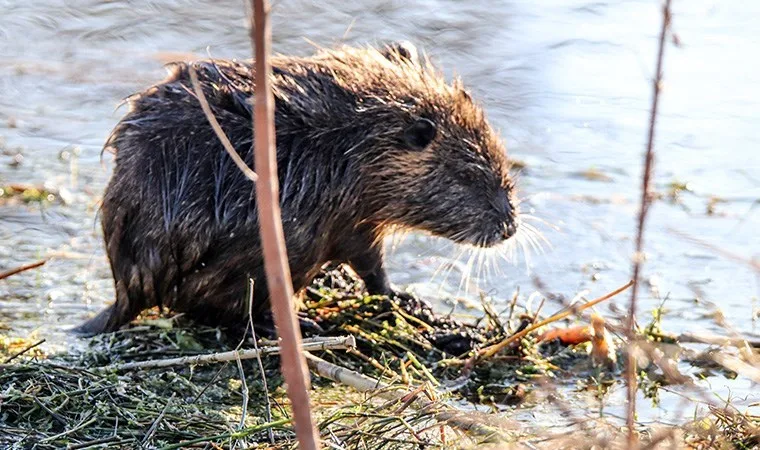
(156,423)
(493,349)
(735,364)
(83,424)
(644,209)
(306,341)
(343,342)
(276,265)
(107,440)
(512,305)
(21,352)
(234,435)
(24,268)
(709,338)
(268,404)
(250,174)
(52,413)
(208,385)
(244,384)
(205,388)
(244,392)
(466,421)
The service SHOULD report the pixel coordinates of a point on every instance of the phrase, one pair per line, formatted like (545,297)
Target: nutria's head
(407,148)
(429,159)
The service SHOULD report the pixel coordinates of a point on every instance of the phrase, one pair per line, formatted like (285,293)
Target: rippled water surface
(566,82)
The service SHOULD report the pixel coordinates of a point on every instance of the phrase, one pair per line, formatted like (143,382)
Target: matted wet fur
(367,141)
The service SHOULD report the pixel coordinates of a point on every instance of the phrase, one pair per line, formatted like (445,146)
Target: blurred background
(567,82)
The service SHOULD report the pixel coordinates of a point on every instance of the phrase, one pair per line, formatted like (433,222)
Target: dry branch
(21,352)
(276,265)
(250,174)
(493,349)
(24,268)
(736,364)
(333,343)
(646,200)
(690,337)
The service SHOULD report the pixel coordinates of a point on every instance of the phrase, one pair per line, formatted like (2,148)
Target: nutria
(368,141)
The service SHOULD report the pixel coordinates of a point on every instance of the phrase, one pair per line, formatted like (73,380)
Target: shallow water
(566,82)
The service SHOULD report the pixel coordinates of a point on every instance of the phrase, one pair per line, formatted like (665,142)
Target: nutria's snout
(496,222)
(507,213)
(504,220)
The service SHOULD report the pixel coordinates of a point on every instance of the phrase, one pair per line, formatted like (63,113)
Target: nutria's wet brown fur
(367,140)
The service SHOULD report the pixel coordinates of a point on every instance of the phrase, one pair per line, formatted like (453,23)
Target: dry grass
(63,400)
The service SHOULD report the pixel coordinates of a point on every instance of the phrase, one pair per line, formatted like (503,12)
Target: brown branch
(21,352)
(24,268)
(279,282)
(250,174)
(328,343)
(747,369)
(646,199)
(495,348)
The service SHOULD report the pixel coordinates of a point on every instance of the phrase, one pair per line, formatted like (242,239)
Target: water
(566,82)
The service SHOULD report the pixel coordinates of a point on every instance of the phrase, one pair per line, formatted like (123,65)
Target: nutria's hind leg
(97,324)
(111,318)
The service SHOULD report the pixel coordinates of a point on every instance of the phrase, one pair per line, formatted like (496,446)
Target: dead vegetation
(70,401)
(18,193)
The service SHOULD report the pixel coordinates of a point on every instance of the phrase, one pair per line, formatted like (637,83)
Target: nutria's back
(367,140)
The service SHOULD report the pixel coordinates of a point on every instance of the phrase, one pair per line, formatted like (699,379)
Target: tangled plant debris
(68,400)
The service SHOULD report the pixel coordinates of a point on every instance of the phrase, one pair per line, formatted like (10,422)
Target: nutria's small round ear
(420,134)
(402,50)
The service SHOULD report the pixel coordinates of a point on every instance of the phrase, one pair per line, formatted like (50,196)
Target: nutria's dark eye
(420,134)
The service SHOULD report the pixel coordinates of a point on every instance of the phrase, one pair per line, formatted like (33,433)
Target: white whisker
(526,253)
(449,267)
(482,252)
(508,253)
(537,234)
(467,270)
(527,238)
(481,259)
(530,217)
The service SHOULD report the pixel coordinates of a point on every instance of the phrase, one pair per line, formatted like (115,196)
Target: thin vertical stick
(638,255)
(268,404)
(272,239)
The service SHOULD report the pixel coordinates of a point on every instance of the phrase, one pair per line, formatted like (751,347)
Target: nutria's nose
(506,214)
(510,228)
